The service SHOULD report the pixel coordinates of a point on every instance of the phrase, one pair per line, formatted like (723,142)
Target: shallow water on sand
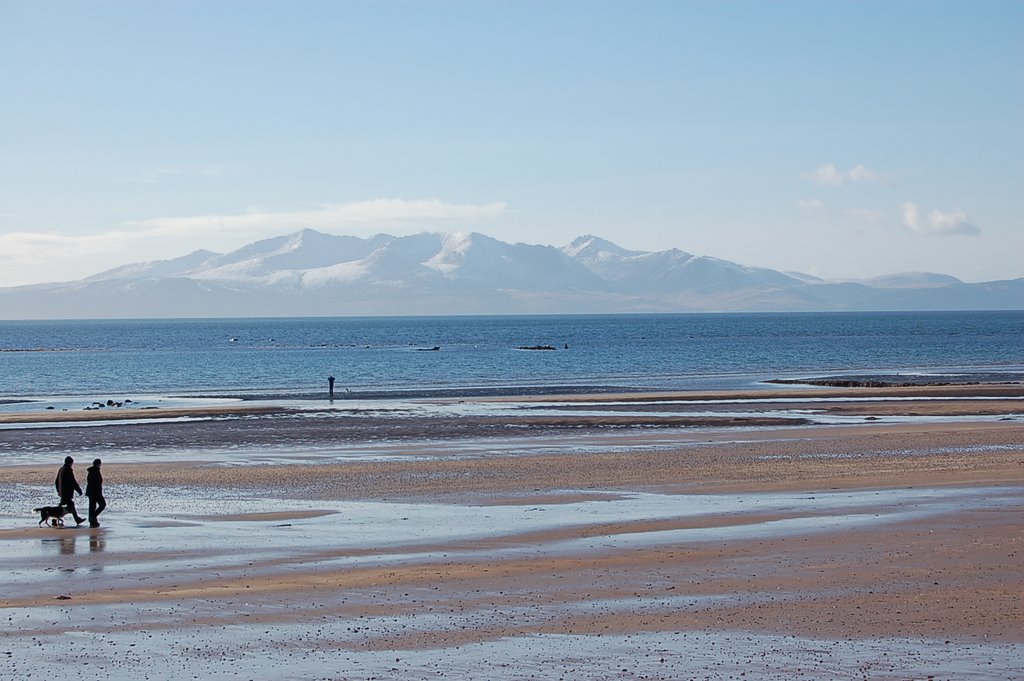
(201,529)
(174,544)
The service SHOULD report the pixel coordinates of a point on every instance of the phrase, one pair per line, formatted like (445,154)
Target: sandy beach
(826,533)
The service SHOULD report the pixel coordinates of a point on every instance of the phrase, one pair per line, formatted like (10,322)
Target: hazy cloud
(154,176)
(139,178)
(859,173)
(830,176)
(811,205)
(938,223)
(33,257)
(34,248)
(827,175)
(359,213)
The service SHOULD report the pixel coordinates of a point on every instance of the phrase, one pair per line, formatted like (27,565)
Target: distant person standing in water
(94,490)
(330,385)
(67,486)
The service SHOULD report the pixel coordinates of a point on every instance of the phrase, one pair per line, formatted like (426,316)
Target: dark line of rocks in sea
(109,403)
(897,381)
(859,383)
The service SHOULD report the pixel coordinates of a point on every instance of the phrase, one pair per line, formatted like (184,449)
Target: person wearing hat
(94,490)
(66,487)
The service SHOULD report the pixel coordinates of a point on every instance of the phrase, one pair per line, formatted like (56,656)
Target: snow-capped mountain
(154,269)
(667,272)
(303,250)
(310,273)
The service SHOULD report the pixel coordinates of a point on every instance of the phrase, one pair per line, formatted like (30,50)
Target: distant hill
(309,273)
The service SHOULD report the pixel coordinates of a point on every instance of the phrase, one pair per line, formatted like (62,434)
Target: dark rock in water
(51,407)
(535,347)
(899,380)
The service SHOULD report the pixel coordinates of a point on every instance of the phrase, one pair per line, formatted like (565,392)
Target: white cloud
(139,178)
(830,176)
(859,173)
(827,175)
(938,223)
(360,213)
(32,248)
(35,257)
(154,176)
(911,216)
(811,205)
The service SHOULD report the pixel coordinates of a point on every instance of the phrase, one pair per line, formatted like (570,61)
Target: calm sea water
(388,356)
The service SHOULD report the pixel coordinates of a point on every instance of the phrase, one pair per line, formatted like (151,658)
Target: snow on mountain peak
(457,241)
(304,250)
(589,245)
(174,267)
(452,253)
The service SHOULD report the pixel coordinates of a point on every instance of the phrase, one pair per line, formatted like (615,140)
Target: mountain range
(310,273)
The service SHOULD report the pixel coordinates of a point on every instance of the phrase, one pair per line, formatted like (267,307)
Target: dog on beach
(51,515)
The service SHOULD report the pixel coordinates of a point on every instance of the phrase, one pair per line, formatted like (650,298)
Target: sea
(410,357)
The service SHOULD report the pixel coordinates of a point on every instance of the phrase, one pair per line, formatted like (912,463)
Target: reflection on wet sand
(66,543)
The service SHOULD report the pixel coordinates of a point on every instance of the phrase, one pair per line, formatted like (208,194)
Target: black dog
(56,513)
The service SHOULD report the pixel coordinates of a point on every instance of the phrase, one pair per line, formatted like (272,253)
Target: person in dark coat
(67,486)
(94,490)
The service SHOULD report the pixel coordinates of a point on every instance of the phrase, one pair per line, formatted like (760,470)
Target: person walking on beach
(94,490)
(330,385)
(67,486)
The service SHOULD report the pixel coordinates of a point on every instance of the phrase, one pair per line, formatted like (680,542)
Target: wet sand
(579,547)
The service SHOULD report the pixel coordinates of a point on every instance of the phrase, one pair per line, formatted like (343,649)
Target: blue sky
(841,139)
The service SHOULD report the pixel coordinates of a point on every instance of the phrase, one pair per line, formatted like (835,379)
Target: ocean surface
(452,356)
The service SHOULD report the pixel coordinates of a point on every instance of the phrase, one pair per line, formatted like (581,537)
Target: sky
(838,139)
